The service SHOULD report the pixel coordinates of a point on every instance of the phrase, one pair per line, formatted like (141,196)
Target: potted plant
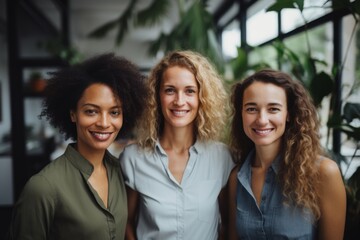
(37,82)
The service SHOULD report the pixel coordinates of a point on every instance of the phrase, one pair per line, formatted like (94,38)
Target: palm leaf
(153,14)
(195,31)
(101,31)
(121,23)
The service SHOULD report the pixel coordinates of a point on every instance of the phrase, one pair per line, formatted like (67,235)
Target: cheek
(83,121)
(195,102)
(164,102)
(283,120)
(118,122)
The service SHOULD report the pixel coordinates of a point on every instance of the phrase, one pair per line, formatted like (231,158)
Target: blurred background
(316,41)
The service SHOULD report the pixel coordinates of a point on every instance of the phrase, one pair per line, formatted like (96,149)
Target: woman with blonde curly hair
(175,174)
(283,188)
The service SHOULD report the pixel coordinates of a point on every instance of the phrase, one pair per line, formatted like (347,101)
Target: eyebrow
(97,106)
(270,104)
(189,86)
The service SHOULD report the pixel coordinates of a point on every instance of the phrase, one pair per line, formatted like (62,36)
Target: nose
(103,121)
(262,118)
(179,99)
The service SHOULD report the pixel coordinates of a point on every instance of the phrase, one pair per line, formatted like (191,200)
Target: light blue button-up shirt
(172,210)
(273,219)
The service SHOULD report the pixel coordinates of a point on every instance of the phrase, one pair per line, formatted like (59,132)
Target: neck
(177,139)
(94,156)
(264,156)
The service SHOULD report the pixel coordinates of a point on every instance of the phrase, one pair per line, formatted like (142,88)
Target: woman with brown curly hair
(175,174)
(81,194)
(283,188)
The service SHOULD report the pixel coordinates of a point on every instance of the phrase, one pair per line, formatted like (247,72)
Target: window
(261,27)
(313,9)
(231,39)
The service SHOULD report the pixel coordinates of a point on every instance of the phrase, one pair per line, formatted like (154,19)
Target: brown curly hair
(212,95)
(301,146)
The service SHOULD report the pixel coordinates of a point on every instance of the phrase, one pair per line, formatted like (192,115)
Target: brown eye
(116,113)
(90,112)
(169,90)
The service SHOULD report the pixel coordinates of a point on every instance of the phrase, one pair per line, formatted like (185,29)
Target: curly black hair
(66,86)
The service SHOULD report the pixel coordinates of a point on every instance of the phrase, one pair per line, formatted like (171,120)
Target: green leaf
(156,45)
(283,4)
(122,29)
(153,14)
(309,70)
(287,57)
(101,31)
(321,86)
(121,23)
(340,4)
(239,64)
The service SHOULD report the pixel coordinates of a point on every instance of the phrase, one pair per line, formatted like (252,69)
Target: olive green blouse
(59,202)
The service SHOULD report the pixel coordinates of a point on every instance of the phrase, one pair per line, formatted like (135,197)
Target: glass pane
(351,56)
(231,39)
(261,27)
(318,42)
(313,9)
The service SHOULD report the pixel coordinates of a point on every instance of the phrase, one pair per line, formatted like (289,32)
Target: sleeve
(34,211)
(127,162)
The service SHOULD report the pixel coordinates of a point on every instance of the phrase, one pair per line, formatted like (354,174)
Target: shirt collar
(80,162)
(275,165)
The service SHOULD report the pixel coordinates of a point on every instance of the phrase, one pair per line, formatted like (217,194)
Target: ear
(73,116)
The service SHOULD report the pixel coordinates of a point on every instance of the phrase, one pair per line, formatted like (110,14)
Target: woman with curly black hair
(81,194)
(283,187)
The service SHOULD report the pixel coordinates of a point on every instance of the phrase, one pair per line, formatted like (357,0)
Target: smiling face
(264,113)
(179,97)
(98,118)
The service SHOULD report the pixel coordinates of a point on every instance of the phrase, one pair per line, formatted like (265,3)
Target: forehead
(99,93)
(177,75)
(264,93)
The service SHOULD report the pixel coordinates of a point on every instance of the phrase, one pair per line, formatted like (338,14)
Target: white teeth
(101,136)
(263,131)
(179,113)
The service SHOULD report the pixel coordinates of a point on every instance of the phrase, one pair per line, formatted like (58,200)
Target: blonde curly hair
(210,119)
(298,175)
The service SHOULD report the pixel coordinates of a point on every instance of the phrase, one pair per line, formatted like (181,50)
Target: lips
(101,136)
(263,131)
(179,113)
